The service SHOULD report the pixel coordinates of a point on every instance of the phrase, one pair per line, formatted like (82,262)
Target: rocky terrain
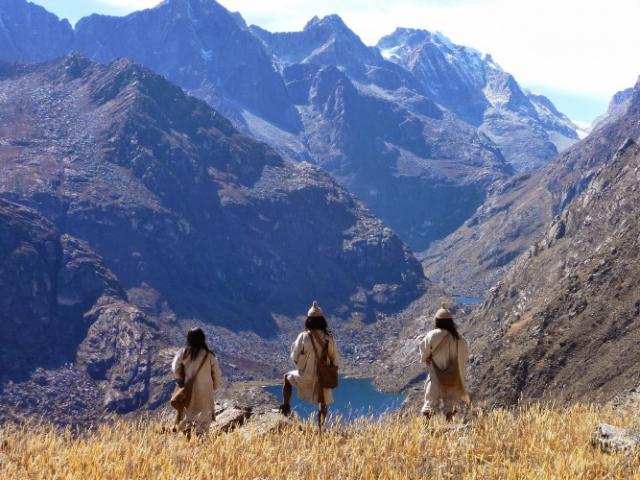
(418,162)
(517,213)
(158,201)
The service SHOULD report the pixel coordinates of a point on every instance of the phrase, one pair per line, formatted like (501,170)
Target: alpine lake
(354,398)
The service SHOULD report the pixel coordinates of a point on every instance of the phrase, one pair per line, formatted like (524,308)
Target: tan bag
(327,371)
(182,394)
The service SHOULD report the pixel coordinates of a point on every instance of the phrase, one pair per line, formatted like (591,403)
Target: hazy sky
(577,52)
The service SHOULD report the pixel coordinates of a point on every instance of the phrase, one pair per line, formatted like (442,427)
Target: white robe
(200,411)
(305,378)
(434,401)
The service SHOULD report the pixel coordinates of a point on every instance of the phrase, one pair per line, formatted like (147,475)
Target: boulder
(230,419)
(267,423)
(614,439)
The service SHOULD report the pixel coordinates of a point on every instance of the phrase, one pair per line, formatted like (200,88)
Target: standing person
(446,354)
(196,361)
(304,352)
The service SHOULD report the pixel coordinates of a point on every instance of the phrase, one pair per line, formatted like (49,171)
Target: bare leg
(287,390)
(322,415)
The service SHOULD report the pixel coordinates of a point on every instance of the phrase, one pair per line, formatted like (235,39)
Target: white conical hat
(315,310)
(443,313)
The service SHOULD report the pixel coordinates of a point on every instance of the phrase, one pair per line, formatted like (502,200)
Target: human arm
(333,353)
(177,367)
(424,347)
(216,374)
(297,349)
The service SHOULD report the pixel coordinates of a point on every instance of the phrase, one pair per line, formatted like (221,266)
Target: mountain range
(377,124)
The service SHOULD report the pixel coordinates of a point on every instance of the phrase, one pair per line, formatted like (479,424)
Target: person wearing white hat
(313,340)
(445,354)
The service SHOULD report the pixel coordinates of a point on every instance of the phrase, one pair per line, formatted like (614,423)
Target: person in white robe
(305,378)
(445,353)
(197,359)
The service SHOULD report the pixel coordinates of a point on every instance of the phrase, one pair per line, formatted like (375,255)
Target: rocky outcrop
(527,128)
(617,107)
(71,343)
(612,439)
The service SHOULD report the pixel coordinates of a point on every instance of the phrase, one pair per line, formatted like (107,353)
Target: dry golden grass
(533,443)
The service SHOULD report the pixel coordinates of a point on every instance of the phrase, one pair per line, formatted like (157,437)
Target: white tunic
(305,378)
(431,352)
(200,411)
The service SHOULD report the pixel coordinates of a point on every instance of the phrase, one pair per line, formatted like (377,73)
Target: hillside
(517,213)
(570,301)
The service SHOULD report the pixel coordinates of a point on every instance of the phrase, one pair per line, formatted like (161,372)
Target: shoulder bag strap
(189,383)
(313,344)
(315,350)
(440,344)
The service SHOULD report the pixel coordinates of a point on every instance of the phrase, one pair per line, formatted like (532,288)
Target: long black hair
(317,323)
(448,325)
(196,341)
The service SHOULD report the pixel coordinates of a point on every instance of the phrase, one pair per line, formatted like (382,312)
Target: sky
(576,52)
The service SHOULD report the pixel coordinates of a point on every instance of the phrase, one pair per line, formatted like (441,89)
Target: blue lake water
(468,300)
(354,397)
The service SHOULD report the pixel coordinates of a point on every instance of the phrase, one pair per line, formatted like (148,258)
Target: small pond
(354,397)
(468,300)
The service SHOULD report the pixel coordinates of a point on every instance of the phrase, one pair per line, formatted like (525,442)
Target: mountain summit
(528,128)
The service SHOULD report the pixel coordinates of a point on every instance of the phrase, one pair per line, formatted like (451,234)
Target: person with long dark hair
(445,354)
(198,363)
(311,342)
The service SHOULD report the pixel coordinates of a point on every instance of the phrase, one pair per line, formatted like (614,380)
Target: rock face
(517,213)
(200,46)
(564,321)
(527,127)
(617,107)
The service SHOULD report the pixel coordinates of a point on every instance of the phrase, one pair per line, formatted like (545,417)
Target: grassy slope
(533,443)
